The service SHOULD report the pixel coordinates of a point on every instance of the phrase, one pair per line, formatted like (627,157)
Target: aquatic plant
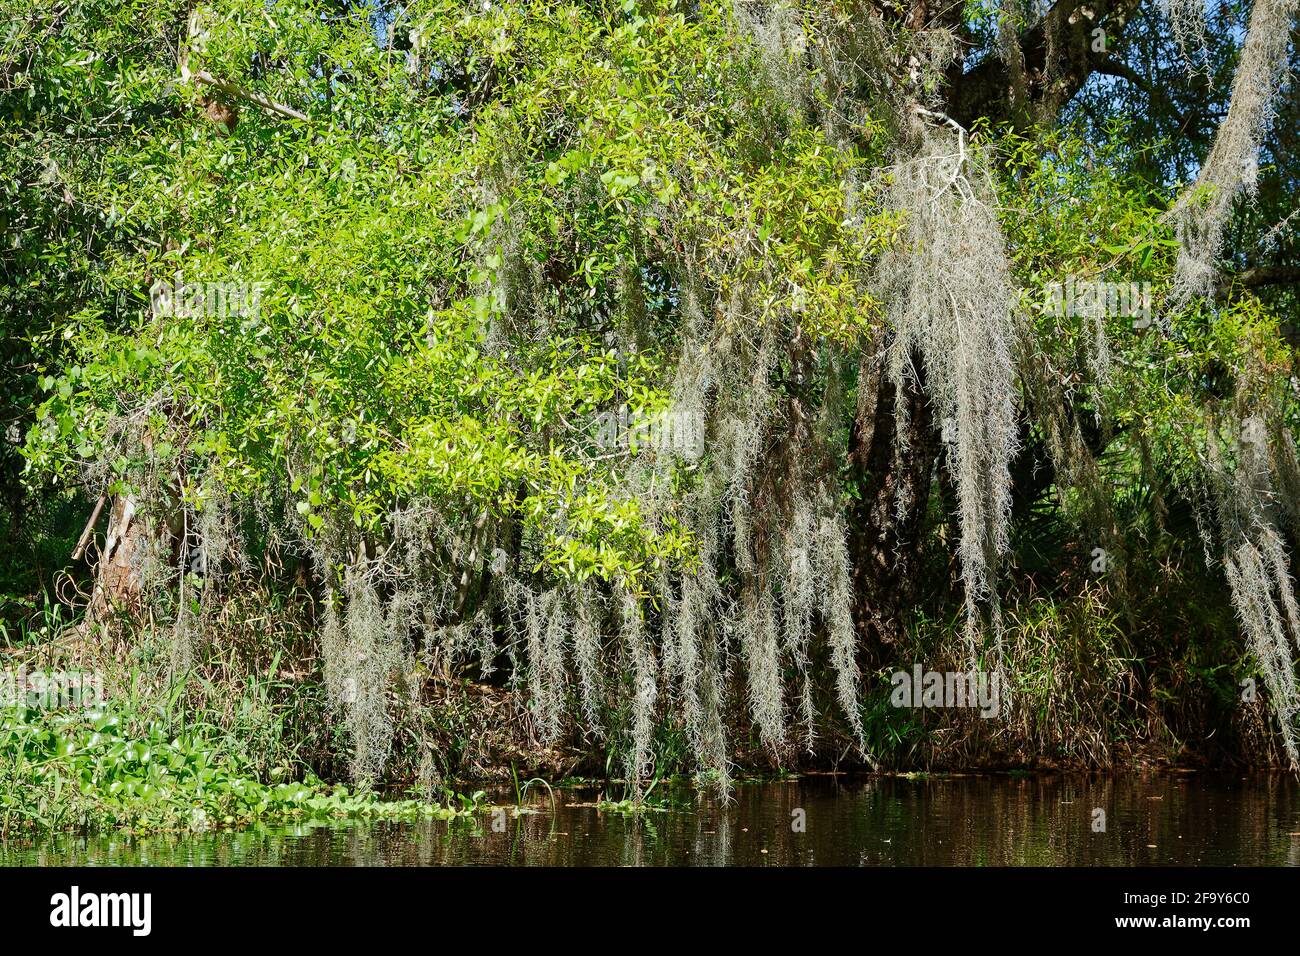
(66,771)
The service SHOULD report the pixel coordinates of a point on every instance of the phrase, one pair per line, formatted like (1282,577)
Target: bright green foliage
(389,237)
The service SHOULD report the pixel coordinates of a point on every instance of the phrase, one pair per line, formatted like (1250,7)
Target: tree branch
(206,78)
(1060,52)
(1258,276)
(231,89)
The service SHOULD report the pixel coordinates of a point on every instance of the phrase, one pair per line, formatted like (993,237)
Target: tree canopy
(687,365)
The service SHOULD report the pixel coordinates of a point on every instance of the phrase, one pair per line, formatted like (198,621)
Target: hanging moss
(952,305)
(1231,170)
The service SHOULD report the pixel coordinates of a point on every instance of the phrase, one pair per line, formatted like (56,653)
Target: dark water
(1167,819)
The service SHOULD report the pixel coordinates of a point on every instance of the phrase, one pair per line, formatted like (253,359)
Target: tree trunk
(117,575)
(888,519)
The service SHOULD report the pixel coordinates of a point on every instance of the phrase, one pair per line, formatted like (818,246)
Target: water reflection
(1166,819)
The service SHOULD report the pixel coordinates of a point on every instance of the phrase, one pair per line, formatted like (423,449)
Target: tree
(682,352)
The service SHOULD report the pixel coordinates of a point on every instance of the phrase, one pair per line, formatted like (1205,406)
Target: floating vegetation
(89,771)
